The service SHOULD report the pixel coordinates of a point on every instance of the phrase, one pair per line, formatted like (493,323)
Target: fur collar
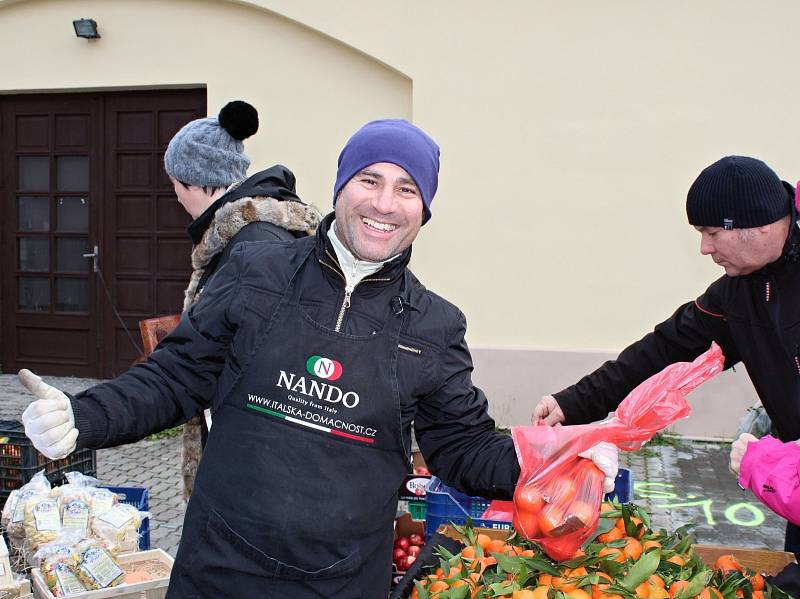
(233,216)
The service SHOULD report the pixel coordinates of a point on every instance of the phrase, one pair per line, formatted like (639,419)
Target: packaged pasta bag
(37,488)
(42,521)
(57,560)
(74,500)
(77,487)
(558,494)
(97,568)
(119,526)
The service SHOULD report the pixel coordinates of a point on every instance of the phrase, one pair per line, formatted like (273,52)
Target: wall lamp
(86,28)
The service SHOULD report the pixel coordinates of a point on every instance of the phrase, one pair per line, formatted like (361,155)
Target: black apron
(296,493)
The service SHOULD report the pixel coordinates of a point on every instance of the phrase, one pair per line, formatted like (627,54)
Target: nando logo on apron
(313,402)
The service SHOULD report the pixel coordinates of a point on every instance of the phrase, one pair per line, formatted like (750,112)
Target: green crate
(418,509)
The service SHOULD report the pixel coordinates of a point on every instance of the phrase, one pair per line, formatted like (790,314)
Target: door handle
(95,256)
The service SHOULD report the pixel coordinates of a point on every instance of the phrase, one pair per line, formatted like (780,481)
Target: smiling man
(747,220)
(316,355)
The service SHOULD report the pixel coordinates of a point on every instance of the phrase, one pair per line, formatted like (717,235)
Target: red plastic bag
(558,495)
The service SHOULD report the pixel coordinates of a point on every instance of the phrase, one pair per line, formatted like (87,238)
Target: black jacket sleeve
(681,338)
(178,379)
(456,434)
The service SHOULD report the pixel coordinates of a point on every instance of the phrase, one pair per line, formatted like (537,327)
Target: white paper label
(76,515)
(99,565)
(66,581)
(45,515)
(102,501)
(19,509)
(116,517)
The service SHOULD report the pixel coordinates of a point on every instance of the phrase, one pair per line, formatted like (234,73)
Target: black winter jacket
(755,319)
(195,366)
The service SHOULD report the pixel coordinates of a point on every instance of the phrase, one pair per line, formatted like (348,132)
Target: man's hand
(737,451)
(547,409)
(606,457)
(49,422)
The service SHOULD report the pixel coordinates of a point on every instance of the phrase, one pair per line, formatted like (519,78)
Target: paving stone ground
(679,485)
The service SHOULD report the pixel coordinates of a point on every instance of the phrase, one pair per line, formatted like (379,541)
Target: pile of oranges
(623,559)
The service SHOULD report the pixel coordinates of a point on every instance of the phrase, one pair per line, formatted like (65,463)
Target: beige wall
(569,132)
(311,91)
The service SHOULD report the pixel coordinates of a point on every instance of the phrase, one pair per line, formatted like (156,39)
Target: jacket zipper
(348,291)
(413,350)
(767,291)
(797,357)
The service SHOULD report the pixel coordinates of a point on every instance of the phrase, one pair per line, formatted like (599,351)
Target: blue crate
(446,505)
(137,497)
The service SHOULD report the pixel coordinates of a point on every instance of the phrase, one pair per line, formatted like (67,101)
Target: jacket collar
(275,182)
(390,272)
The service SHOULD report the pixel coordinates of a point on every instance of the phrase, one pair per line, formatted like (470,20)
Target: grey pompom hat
(209,152)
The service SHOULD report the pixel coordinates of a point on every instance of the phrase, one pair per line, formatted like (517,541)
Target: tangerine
(758,582)
(727,563)
(632,548)
(677,586)
(710,593)
(527,523)
(528,498)
(612,535)
(550,518)
(615,552)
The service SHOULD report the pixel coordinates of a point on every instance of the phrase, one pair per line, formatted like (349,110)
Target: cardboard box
(760,560)
(404,526)
(151,589)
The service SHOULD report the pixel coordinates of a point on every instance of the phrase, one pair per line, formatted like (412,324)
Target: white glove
(606,457)
(49,422)
(738,449)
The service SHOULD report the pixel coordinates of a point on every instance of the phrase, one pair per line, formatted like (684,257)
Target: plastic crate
(19,461)
(137,497)
(446,505)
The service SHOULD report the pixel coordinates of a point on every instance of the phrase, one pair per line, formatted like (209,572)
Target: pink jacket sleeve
(771,470)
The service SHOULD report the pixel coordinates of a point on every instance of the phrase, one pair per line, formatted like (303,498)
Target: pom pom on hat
(239,119)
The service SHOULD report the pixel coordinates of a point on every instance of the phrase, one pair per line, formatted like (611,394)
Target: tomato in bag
(558,494)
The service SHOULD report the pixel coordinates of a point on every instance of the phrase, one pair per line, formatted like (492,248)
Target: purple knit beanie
(396,141)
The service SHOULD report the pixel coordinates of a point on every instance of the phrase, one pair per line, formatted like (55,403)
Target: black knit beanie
(737,192)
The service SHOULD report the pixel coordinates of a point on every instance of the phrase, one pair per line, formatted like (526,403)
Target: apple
(402,542)
(410,560)
(414,550)
(398,554)
(416,539)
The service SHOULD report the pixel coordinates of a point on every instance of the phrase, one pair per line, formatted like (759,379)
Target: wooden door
(93,238)
(145,239)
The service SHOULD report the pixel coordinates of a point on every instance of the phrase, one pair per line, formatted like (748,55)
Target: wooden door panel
(134,212)
(72,131)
